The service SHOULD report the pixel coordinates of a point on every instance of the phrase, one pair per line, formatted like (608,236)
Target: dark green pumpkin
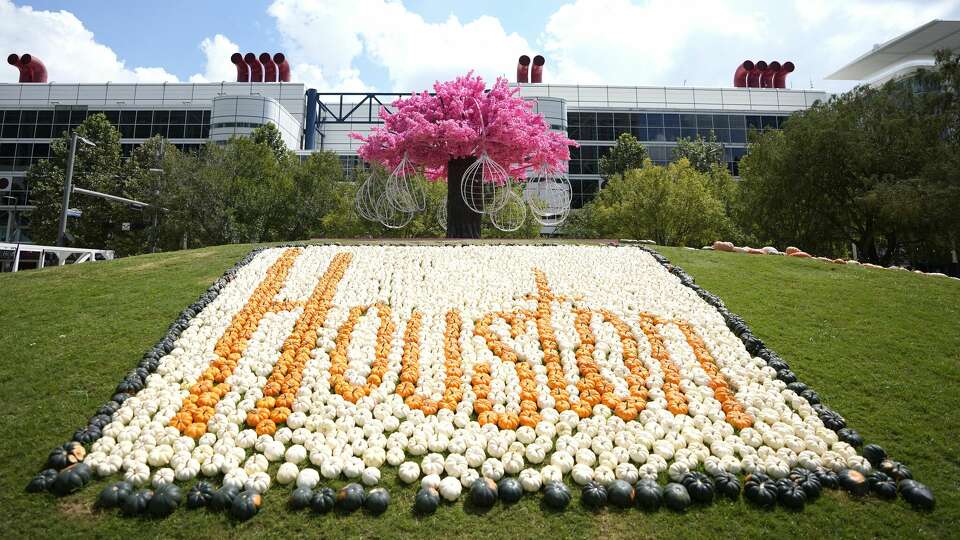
(556,495)
(850,436)
(200,495)
(245,505)
(791,495)
(896,470)
(223,498)
(756,478)
(136,503)
(377,501)
(882,485)
(808,482)
(166,499)
(727,485)
(66,455)
(426,501)
(676,497)
(300,498)
(483,493)
(828,479)
(648,495)
(71,479)
(323,500)
(509,490)
(43,481)
(762,494)
(112,496)
(593,495)
(621,494)
(854,482)
(699,486)
(350,498)
(917,495)
(875,454)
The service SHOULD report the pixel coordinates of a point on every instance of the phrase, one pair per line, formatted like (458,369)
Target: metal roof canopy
(916,45)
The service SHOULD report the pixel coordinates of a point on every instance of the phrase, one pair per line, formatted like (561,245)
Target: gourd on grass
(556,495)
(43,481)
(509,489)
(112,496)
(245,505)
(376,501)
(426,501)
(136,503)
(483,493)
(300,498)
(166,499)
(699,486)
(200,495)
(350,498)
(854,482)
(727,485)
(620,494)
(648,495)
(323,500)
(223,498)
(676,497)
(593,495)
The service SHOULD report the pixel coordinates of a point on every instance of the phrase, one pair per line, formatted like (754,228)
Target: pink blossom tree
(444,133)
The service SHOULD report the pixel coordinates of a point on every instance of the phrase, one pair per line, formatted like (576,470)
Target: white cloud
(217,51)
(413,53)
(67,49)
(700,43)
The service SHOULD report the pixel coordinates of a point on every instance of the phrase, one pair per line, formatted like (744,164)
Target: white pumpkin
(450,488)
(287,473)
(370,476)
(408,472)
(308,478)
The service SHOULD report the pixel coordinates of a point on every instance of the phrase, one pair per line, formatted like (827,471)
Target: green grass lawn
(881,347)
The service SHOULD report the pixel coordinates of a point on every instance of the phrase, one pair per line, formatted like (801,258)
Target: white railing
(63,254)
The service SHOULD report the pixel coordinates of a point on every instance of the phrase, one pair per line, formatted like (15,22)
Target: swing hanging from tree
(482,143)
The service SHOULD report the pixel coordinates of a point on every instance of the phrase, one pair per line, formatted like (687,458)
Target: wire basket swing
(511,215)
(405,191)
(548,194)
(485,185)
(368,194)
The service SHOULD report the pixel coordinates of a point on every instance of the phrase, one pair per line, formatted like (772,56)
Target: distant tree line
(247,190)
(874,168)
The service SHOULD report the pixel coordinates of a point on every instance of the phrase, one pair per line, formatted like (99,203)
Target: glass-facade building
(595,116)
(189,115)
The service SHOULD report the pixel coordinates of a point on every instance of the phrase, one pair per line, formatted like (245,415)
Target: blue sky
(389,45)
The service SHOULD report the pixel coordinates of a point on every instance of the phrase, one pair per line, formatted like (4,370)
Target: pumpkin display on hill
(478,372)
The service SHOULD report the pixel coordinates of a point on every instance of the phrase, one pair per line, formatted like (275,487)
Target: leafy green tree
(98,168)
(874,167)
(268,134)
(672,205)
(627,154)
(703,154)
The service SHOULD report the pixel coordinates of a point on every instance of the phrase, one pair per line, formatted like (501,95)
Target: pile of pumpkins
(66,473)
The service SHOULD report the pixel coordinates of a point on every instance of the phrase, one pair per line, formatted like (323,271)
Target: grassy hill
(881,347)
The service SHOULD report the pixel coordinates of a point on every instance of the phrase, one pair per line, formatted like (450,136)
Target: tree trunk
(462,222)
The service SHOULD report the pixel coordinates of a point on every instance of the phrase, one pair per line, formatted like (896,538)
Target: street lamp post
(68,187)
(156,209)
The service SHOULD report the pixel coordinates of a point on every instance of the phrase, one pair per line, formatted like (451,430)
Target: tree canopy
(874,167)
(703,154)
(671,205)
(461,118)
(627,154)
